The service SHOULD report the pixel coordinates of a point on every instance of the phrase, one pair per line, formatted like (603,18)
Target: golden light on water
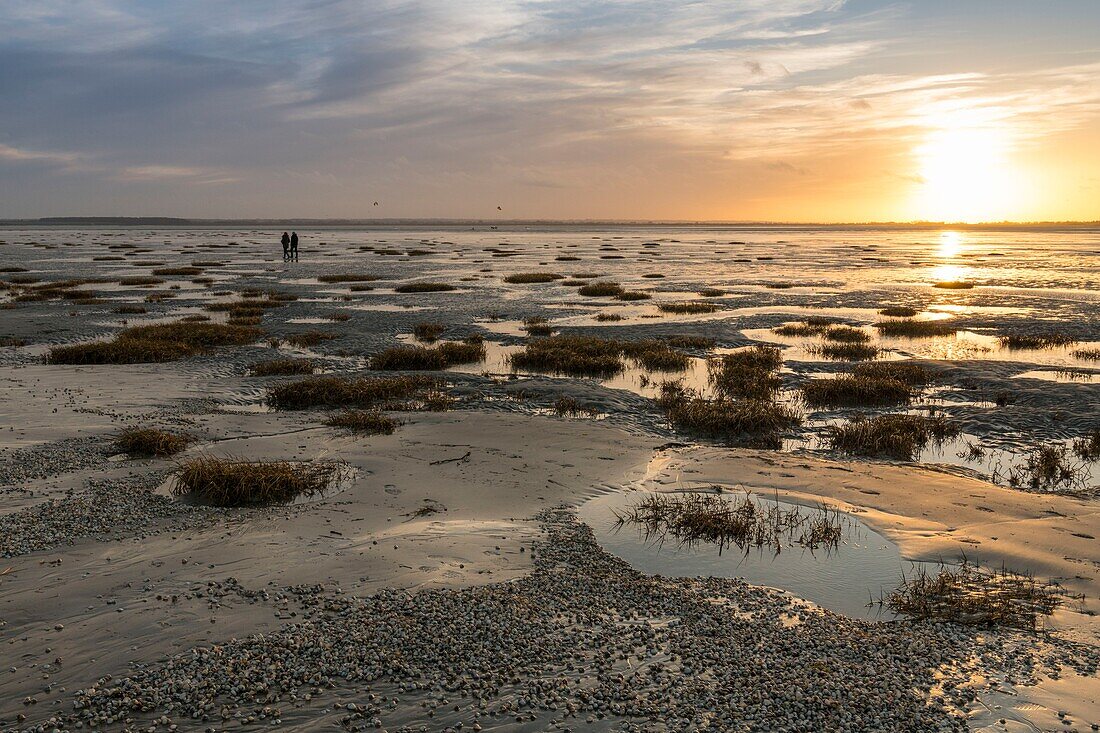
(967,174)
(950,244)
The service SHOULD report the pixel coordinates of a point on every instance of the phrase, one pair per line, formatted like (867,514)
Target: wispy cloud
(429,94)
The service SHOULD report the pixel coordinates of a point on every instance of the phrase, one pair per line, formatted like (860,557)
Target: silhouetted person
(286,246)
(294,246)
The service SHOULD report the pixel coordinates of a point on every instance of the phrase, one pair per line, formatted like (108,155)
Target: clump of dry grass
(155,343)
(750,373)
(849,390)
(912,374)
(140,280)
(119,351)
(187,271)
(741,522)
(633,295)
(424,287)
(656,355)
(1036,341)
(845,352)
(131,310)
(572,355)
(195,335)
(356,392)
(524,278)
(802,328)
(898,311)
(12,341)
(428,332)
(1087,354)
(689,342)
(596,357)
(1088,447)
(224,482)
(687,308)
(570,407)
(537,326)
(469,351)
(283,367)
(150,442)
(893,436)
(1049,468)
(845,334)
(369,422)
(347,277)
(747,421)
(606,317)
(309,339)
(968,594)
(601,290)
(915,329)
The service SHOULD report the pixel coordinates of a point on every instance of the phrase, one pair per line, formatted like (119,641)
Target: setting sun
(967,175)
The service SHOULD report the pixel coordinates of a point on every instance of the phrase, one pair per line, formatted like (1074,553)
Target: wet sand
(107,575)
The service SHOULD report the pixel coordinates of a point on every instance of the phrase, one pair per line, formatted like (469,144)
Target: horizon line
(376,221)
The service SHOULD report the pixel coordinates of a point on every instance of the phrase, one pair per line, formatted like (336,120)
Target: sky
(760,110)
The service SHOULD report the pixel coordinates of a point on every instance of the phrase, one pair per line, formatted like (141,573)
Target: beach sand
(445,580)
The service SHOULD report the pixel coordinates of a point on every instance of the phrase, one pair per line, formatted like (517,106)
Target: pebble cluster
(41,461)
(105,510)
(583,640)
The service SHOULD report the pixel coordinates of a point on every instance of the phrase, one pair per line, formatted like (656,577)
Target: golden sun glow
(967,174)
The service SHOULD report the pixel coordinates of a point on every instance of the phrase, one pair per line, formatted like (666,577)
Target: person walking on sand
(286,246)
(294,246)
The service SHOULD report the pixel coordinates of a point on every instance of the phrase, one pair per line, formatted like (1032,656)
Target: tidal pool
(864,567)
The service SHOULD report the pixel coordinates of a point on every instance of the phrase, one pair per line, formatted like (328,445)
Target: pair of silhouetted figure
(290,246)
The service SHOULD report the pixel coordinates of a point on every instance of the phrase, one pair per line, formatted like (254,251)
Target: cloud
(462,97)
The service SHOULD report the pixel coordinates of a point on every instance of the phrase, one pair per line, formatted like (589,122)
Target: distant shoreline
(161,221)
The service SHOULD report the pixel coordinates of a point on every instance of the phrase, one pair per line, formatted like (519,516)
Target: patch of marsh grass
(283,367)
(846,334)
(898,311)
(150,442)
(975,596)
(916,329)
(750,373)
(412,358)
(687,308)
(309,339)
(399,392)
(1036,341)
(845,352)
(746,421)
(849,390)
(912,374)
(428,332)
(368,422)
(1048,468)
(155,343)
(346,277)
(224,482)
(1088,447)
(1087,354)
(424,287)
(740,522)
(953,285)
(901,437)
(601,290)
(525,278)
(570,407)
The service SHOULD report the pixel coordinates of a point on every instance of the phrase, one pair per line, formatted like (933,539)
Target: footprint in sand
(392,490)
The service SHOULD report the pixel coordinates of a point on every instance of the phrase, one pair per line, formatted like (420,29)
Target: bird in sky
(499,209)
(376,203)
